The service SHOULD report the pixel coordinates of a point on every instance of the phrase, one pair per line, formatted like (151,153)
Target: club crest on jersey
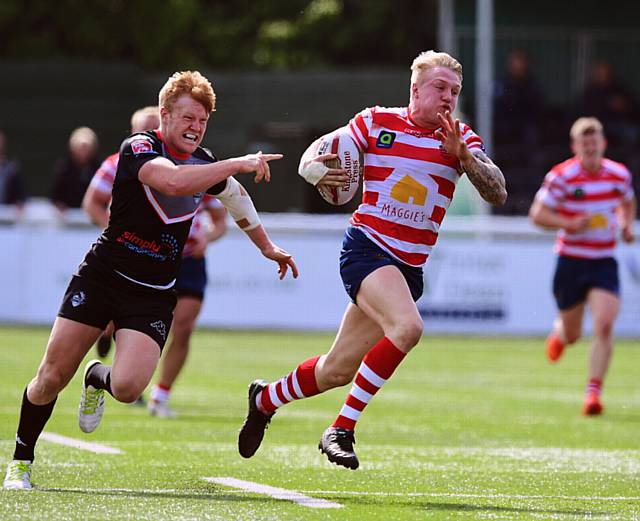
(141,146)
(578,193)
(385,139)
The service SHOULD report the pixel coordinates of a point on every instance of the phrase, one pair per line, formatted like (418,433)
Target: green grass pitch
(467,428)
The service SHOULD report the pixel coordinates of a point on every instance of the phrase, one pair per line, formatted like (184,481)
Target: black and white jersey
(147,229)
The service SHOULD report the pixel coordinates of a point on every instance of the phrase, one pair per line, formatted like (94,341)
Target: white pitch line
(275,492)
(98,448)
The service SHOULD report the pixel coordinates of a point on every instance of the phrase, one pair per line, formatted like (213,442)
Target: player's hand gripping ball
(349,157)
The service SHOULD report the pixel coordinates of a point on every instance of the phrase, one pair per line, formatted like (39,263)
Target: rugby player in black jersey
(128,274)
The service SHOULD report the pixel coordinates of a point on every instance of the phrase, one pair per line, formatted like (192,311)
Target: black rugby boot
(337,444)
(256,422)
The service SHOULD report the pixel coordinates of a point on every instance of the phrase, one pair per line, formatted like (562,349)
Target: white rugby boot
(18,475)
(91,405)
(160,409)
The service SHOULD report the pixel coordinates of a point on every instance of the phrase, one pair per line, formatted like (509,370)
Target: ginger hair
(191,83)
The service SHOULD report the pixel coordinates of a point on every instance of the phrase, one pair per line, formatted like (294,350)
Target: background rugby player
(587,198)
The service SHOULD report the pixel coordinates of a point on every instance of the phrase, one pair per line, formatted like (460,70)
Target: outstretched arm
(285,261)
(483,173)
(171,179)
(240,206)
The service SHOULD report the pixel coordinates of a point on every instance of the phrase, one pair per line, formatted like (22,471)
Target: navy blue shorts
(192,278)
(575,277)
(360,256)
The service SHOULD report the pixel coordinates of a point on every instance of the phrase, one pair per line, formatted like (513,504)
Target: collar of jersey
(171,151)
(424,129)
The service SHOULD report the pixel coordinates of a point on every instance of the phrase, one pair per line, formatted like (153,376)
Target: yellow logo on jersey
(409,191)
(598,220)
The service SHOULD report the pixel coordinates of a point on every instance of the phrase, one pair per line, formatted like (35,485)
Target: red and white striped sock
(160,393)
(298,384)
(376,368)
(594,387)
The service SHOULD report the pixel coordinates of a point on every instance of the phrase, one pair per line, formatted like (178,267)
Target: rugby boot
(592,405)
(256,422)
(18,475)
(337,444)
(555,348)
(91,405)
(160,409)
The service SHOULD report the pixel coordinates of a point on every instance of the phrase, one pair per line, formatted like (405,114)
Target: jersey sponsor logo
(386,139)
(598,220)
(417,133)
(141,146)
(78,298)
(409,191)
(159,326)
(414,216)
(166,248)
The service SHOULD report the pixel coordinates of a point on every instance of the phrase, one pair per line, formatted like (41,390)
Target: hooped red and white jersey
(409,181)
(105,175)
(208,201)
(103,180)
(570,190)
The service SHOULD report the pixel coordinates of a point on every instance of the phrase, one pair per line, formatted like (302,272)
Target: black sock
(99,376)
(32,421)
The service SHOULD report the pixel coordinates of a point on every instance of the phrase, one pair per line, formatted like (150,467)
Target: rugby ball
(349,157)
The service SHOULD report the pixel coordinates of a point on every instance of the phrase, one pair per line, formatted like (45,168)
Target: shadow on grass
(436,506)
(218,494)
(464,507)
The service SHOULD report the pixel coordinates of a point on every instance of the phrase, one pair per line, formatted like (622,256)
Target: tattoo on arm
(486,177)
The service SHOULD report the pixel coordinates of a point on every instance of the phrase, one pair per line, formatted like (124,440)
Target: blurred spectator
(518,103)
(73,173)
(11,184)
(612,103)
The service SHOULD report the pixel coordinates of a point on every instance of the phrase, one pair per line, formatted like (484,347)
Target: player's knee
(126,392)
(407,334)
(603,330)
(49,382)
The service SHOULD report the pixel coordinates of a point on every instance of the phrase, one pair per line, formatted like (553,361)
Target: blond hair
(83,136)
(140,119)
(191,83)
(585,126)
(430,59)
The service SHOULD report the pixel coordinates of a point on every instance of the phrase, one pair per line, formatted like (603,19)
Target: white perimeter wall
(487,276)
